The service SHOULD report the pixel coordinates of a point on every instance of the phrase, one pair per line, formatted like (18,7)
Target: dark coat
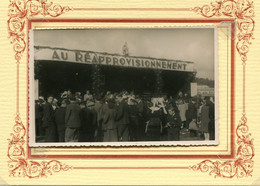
(211,111)
(174,121)
(38,111)
(109,118)
(88,119)
(60,118)
(122,113)
(191,112)
(211,120)
(156,114)
(99,111)
(140,108)
(48,115)
(204,117)
(72,118)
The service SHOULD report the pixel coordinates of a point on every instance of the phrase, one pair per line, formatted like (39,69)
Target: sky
(187,44)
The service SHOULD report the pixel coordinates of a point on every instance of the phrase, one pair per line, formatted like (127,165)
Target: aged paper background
(152,171)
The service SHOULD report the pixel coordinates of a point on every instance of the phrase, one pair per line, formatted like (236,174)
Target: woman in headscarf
(154,124)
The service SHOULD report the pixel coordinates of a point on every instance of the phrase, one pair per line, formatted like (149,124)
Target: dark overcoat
(48,115)
(72,117)
(122,114)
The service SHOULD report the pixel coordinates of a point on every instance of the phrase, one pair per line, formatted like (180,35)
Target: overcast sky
(187,44)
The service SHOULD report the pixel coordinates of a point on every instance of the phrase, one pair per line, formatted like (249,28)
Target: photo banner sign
(204,90)
(90,57)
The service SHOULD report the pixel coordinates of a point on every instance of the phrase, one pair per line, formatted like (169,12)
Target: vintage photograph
(123,85)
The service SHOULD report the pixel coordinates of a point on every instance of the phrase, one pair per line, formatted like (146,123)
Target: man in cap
(48,120)
(191,112)
(72,121)
(99,107)
(60,121)
(122,118)
(109,125)
(173,124)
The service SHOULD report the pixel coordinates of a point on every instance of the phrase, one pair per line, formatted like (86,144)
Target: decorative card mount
(20,11)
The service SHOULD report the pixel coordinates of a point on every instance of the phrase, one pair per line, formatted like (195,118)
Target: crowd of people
(123,116)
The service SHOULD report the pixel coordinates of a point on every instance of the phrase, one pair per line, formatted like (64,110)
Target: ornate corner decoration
(22,167)
(242,11)
(242,165)
(19,13)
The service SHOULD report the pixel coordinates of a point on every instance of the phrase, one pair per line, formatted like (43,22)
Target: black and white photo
(123,86)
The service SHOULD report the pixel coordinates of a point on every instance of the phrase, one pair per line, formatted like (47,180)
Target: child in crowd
(173,124)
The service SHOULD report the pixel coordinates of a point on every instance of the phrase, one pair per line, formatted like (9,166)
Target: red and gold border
(20,11)
(243,12)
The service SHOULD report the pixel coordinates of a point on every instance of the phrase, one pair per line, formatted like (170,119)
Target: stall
(59,69)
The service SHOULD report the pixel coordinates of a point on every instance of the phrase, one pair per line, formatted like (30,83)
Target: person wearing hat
(204,119)
(48,120)
(191,112)
(109,125)
(92,120)
(122,118)
(140,119)
(211,107)
(60,121)
(72,121)
(41,105)
(38,117)
(133,118)
(55,104)
(173,124)
(99,107)
(88,117)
